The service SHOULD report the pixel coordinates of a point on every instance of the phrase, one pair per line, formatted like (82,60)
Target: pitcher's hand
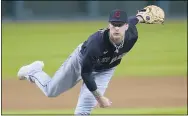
(104,102)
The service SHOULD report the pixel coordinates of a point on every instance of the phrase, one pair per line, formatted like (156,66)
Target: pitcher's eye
(117,24)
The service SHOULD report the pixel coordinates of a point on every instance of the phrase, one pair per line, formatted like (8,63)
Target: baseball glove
(152,15)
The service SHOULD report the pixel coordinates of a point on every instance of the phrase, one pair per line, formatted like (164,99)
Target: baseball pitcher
(94,60)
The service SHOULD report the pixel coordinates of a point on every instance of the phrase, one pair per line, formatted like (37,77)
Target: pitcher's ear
(127,26)
(109,26)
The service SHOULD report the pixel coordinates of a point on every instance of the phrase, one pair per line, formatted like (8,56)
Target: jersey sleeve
(91,51)
(133,20)
(133,37)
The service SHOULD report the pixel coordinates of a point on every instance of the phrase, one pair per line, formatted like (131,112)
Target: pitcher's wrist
(96,94)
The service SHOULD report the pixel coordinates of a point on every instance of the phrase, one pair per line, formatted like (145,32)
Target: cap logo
(117,14)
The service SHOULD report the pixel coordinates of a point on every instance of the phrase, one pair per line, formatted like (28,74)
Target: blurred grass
(146,111)
(159,51)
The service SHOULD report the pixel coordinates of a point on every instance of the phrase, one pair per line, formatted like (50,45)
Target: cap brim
(116,20)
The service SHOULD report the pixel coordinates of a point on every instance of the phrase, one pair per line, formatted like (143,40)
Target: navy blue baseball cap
(118,15)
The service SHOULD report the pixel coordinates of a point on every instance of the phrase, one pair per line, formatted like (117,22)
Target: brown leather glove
(152,15)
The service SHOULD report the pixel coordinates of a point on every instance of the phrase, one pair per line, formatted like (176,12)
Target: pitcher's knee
(51,93)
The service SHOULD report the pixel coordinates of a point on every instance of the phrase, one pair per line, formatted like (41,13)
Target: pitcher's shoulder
(97,34)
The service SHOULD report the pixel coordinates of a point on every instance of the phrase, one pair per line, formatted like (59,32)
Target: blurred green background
(161,50)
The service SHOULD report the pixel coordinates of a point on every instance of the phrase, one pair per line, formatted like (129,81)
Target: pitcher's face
(117,31)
